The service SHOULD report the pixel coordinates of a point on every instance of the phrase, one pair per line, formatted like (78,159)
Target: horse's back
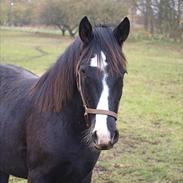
(11,73)
(15,83)
(13,79)
(8,70)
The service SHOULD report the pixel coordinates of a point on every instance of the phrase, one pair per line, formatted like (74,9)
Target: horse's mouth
(103,147)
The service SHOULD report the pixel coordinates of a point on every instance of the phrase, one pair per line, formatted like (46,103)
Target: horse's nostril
(115,137)
(94,136)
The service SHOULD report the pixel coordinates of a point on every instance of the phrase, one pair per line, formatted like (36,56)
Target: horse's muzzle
(105,144)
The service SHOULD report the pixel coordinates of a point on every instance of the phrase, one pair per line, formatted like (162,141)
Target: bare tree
(162,16)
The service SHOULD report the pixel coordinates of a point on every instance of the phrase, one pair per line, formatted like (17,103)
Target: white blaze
(101,120)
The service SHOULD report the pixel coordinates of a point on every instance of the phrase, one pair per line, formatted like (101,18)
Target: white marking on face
(103,62)
(101,120)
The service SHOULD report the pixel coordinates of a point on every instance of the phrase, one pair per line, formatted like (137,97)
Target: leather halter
(91,110)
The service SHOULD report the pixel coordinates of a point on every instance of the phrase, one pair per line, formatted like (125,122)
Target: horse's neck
(75,111)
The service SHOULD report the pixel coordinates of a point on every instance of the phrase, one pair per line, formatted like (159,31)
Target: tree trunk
(71,33)
(71,30)
(146,22)
(180,27)
(151,15)
(62,29)
(63,32)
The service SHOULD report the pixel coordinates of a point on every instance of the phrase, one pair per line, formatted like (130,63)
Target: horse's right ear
(85,30)
(122,30)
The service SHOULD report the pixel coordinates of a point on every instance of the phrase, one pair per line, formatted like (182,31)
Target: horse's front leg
(4,177)
(88,178)
(36,177)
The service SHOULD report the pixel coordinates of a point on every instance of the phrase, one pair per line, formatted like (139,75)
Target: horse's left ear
(122,30)
(85,30)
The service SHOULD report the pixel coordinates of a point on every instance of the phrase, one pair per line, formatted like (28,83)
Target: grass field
(150,149)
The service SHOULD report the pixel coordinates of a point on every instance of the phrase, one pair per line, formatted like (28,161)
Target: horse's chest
(77,168)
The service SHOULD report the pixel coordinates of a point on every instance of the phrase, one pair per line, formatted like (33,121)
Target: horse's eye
(83,70)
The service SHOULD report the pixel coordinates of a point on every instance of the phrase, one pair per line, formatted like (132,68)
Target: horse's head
(100,78)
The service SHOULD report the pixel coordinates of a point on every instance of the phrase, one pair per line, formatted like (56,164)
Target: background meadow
(150,148)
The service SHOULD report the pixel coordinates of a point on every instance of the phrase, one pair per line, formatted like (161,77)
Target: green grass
(150,149)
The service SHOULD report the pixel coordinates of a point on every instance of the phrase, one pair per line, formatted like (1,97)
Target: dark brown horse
(53,127)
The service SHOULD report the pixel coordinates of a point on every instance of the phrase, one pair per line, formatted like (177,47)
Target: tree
(105,12)
(16,12)
(163,15)
(4,6)
(64,14)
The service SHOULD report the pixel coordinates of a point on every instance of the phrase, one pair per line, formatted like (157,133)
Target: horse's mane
(56,87)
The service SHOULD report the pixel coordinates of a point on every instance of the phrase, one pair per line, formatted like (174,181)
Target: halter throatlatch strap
(90,110)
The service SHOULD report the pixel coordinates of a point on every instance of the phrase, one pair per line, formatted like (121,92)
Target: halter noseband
(91,110)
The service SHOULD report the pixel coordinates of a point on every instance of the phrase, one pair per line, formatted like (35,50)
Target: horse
(54,127)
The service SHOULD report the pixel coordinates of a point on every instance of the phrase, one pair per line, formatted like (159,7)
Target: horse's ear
(122,30)
(85,30)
